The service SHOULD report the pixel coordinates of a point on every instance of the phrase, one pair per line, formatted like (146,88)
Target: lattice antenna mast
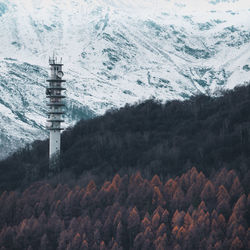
(54,93)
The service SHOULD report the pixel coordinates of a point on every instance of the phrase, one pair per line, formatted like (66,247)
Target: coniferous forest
(147,176)
(189,211)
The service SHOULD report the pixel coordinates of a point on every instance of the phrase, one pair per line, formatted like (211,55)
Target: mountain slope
(154,138)
(115,52)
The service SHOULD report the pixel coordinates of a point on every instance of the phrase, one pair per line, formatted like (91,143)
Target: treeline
(190,211)
(154,138)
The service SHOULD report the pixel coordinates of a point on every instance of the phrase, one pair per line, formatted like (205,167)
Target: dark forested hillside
(188,212)
(127,181)
(164,139)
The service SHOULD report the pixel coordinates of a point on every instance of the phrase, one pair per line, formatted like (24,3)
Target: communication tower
(54,93)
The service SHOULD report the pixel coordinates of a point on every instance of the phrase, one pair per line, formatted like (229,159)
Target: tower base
(54,164)
(54,151)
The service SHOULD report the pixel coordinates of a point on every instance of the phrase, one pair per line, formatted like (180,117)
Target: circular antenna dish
(60,74)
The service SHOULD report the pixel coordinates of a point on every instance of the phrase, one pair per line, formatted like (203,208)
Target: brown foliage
(156,220)
(156,181)
(236,244)
(158,197)
(236,190)
(133,219)
(188,212)
(145,223)
(208,192)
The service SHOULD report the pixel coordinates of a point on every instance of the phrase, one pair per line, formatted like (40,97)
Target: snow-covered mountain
(115,52)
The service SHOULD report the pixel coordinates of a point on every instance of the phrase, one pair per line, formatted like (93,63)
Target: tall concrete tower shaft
(56,107)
